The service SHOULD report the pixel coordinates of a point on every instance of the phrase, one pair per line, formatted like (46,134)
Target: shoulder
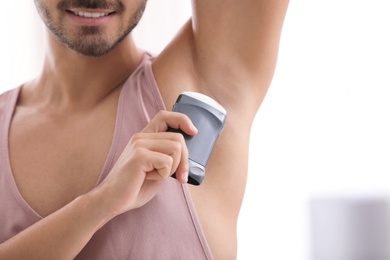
(8,100)
(6,97)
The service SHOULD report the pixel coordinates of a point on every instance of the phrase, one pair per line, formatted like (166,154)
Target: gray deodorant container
(209,118)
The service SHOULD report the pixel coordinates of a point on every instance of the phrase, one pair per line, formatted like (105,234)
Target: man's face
(90,27)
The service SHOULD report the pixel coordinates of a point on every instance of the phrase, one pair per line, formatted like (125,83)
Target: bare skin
(227,51)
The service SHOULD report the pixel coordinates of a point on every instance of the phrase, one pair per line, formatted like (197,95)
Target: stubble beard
(88,40)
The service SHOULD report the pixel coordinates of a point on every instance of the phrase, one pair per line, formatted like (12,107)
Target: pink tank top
(165,228)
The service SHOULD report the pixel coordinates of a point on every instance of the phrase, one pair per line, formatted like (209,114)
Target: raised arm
(228,50)
(236,44)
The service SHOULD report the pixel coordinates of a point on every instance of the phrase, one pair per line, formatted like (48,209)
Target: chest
(54,160)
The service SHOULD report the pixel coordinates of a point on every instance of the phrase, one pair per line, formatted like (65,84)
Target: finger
(153,176)
(159,162)
(182,177)
(173,148)
(157,142)
(183,167)
(165,119)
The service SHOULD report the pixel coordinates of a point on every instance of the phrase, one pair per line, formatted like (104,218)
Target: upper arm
(227,50)
(235,45)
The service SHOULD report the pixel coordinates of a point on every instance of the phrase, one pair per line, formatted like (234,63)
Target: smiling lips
(90,14)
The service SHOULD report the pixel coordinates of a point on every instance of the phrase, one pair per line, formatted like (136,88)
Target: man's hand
(149,158)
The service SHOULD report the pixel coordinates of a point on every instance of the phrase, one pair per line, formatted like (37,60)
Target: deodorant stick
(209,118)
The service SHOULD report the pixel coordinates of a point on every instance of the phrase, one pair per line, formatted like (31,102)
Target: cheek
(42,9)
(48,11)
(134,14)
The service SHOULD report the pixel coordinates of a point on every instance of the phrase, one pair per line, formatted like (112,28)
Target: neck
(70,80)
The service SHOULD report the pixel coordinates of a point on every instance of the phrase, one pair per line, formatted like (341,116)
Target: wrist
(96,203)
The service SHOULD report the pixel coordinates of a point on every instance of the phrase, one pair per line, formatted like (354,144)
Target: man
(85,153)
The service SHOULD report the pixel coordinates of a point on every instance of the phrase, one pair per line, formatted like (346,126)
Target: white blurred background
(322,131)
